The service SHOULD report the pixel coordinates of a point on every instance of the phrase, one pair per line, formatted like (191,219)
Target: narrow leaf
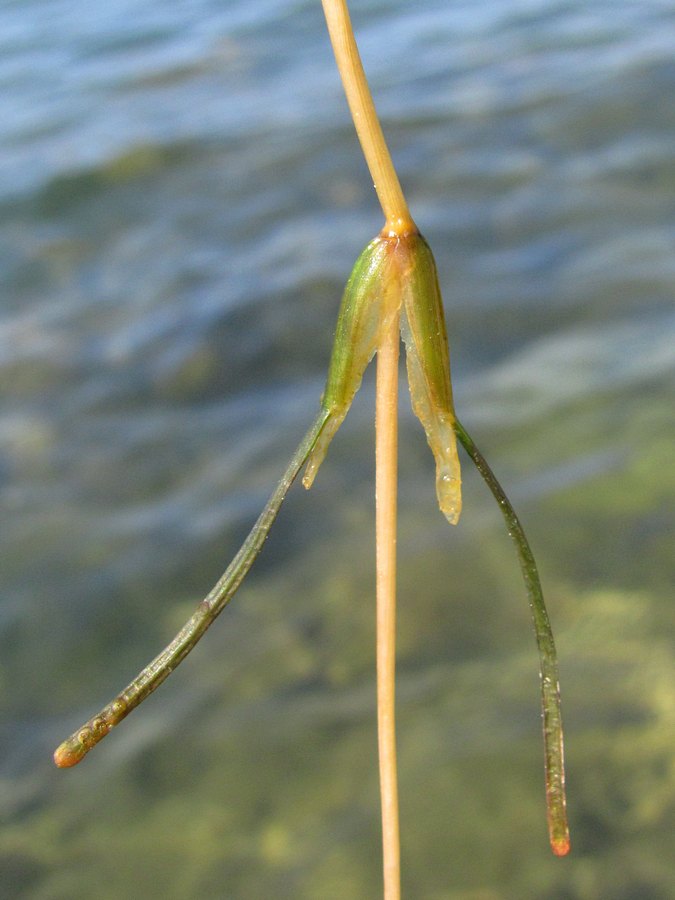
(71,751)
(548,659)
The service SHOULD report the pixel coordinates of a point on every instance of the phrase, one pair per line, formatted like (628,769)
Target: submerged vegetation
(394,285)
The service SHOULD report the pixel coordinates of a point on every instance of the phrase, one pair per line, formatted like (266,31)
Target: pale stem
(386,446)
(362,108)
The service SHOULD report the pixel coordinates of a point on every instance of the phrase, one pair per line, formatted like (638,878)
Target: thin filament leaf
(71,751)
(548,659)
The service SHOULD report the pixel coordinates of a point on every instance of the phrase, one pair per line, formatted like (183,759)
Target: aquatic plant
(393,290)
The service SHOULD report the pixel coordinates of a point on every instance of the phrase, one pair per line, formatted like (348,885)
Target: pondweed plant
(393,289)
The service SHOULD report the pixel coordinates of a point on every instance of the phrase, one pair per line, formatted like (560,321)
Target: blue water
(182,197)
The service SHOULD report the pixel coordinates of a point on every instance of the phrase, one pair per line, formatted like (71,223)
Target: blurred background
(182,198)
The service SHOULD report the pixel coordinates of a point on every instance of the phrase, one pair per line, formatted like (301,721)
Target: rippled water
(182,198)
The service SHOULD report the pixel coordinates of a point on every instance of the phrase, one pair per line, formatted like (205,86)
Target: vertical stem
(365,118)
(398,222)
(386,447)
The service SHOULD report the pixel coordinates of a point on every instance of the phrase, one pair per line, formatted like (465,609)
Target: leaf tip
(561,845)
(66,756)
(449,490)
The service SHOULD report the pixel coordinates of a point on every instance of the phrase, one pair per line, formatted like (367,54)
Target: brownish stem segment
(386,453)
(365,118)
